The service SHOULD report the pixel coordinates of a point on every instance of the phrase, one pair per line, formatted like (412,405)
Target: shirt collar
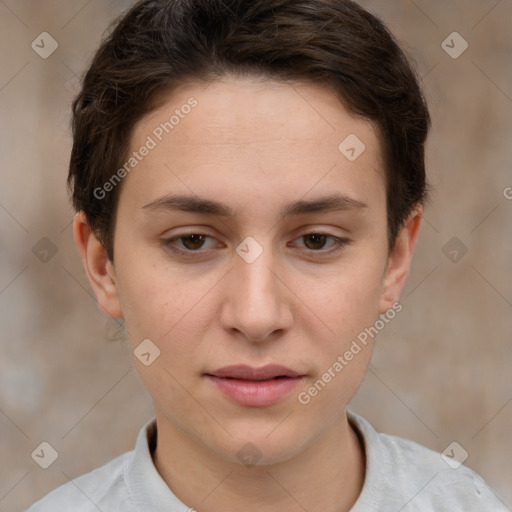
(147,489)
(377,458)
(150,492)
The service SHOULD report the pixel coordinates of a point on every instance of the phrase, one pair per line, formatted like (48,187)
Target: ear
(399,261)
(100,271)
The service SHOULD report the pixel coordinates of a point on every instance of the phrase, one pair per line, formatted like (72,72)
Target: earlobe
(399,261)
(100,271)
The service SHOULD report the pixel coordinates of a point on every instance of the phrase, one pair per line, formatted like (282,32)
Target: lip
(245,372)
(255,387)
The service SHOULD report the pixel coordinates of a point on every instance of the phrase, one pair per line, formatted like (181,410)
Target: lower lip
(256,393)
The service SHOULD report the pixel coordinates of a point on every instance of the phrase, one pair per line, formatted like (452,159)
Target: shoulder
(438,483)
(410,476)
(104,487)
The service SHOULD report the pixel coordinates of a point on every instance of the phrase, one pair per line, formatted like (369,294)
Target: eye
(191,241)
(315,242)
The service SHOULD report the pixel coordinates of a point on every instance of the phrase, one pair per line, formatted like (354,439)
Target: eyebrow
(194,204)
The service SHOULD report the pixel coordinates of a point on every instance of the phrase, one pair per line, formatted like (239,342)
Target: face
(288,269)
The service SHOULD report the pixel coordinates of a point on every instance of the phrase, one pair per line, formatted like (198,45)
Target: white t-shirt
(401,476)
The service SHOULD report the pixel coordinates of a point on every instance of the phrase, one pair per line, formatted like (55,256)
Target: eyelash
(339,243)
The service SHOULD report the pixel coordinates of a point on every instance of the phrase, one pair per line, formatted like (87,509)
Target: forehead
(265,138)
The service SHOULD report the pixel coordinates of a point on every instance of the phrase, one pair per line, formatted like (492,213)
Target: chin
(258,447)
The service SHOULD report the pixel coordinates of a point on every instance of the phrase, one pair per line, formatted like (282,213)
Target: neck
(327,476)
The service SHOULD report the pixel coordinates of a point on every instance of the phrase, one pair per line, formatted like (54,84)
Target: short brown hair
(159,44)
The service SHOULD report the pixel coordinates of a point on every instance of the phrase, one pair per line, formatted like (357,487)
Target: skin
(256,146)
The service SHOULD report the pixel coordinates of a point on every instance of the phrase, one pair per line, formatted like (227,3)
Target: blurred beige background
(441,371)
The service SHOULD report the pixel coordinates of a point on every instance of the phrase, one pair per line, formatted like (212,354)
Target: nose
(257,304)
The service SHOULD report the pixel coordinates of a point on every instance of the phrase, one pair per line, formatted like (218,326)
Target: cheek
(348,300)
(157,298)
(161,304)
(348,306)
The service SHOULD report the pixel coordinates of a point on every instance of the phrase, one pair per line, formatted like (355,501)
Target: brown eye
(190,242)
(315,242)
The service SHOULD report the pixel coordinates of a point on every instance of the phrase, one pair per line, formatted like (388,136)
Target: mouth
(255,387)
(244,372)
